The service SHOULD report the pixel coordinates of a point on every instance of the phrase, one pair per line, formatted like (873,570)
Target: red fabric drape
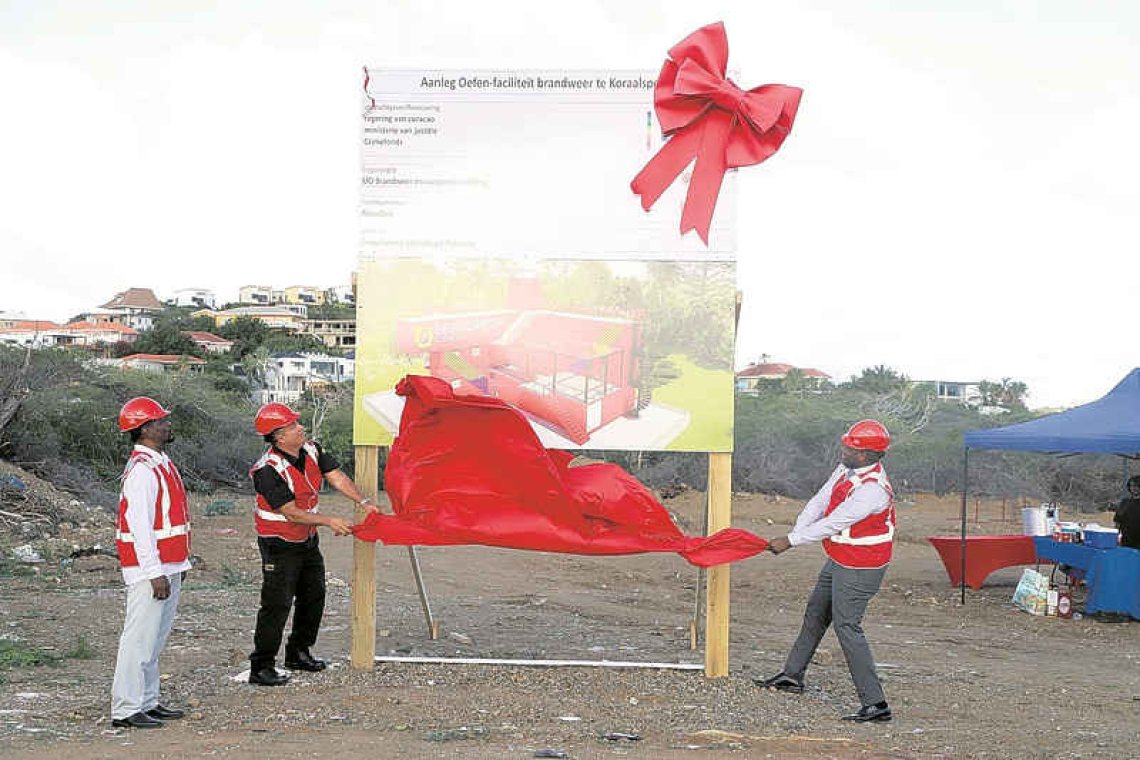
(470,470)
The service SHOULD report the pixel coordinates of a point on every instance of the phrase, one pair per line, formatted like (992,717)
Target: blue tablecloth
(1112,575)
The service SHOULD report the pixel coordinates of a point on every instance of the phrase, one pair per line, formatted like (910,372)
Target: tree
(13,385)
(253,365)
(285,343)
(201,324)
(879,379)
(1008,393)
(165,338)
(794,381)
(247,334)
(1013,393)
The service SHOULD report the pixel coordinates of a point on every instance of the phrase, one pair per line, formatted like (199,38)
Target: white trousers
(145,630)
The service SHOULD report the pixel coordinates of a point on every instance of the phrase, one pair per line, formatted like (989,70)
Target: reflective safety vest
(867,543)
(305,485)
(171,513)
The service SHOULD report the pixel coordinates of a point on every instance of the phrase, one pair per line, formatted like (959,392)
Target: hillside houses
(753,378)
(304,295)
(134,307)
(288,376)
(41,334)
(289,317)
(106,335)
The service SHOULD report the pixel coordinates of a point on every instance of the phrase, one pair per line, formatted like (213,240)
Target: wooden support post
(364,566)
(716,606)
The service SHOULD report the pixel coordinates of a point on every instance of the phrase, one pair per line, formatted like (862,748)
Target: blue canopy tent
(1110,425)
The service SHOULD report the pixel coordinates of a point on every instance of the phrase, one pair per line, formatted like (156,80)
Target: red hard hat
(273,416)
(868,435)
(139,410)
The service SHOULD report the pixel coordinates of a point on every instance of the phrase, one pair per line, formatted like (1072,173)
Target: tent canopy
(1110,425)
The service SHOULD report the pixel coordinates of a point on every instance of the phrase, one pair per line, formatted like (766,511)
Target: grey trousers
(840,598)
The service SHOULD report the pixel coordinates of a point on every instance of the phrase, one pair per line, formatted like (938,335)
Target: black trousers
(292,576)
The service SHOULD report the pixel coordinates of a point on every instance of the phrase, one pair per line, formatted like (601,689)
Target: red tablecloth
(984,554)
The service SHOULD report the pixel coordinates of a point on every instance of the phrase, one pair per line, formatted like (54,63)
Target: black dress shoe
(159,712)
(781,682)
(268,677)
(878,713)
(304,661)
(138,720)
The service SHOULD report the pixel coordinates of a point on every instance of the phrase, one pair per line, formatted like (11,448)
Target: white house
(259,295)
(962,391)
(340,294)
(161,362)
(48,334)
(200,297)
(37,338)
(207,340)
(136,320)
(288,376)
(10,318)
(101,332)
(134,307)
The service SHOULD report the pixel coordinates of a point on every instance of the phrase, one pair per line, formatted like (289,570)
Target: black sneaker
(879,713)
(781,682)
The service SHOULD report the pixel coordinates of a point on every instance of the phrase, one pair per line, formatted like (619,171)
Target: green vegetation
(10,568)
(164,338)
(785,439)
(65,427)
(332,311)
(219,507)
(18,654)
(233,576)
(787,442)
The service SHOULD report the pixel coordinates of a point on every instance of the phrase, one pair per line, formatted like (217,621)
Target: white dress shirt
(863,500)
(141,490)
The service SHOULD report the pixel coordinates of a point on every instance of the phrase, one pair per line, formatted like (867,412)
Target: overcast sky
(958,198)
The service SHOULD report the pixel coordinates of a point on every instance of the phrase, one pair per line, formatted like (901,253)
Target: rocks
(27,554)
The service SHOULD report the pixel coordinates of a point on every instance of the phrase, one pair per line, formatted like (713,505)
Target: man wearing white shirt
(853,515)
(153,542)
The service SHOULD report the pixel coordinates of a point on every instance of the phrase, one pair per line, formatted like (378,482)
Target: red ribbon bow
(705,115)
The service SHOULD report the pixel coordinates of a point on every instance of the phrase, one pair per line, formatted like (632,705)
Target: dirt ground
(983,680)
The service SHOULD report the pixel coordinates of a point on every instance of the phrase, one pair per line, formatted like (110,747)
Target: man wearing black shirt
(287,480)
(1127,517)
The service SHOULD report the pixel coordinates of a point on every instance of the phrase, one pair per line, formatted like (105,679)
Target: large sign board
(502,250)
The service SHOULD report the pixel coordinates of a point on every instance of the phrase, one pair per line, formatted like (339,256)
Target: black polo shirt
(270,485)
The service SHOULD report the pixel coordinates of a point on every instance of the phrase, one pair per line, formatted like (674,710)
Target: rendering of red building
(573,373)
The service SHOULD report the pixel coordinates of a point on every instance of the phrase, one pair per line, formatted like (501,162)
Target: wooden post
(716,596)
(364,566)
